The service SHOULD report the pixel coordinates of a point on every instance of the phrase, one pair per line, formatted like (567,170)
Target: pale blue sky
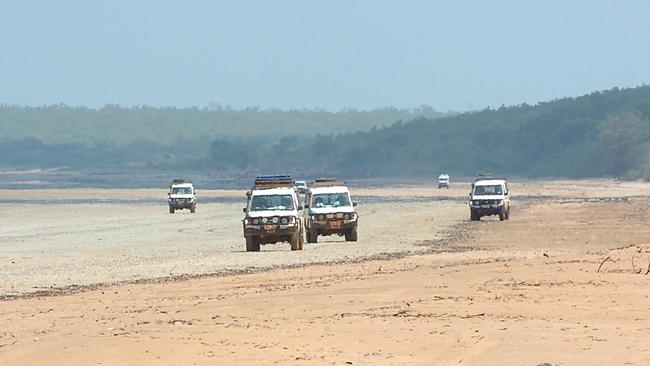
(452,55)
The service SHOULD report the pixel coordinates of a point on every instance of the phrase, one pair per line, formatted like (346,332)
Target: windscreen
(491,190)
(276,202)
(331,200)
(181,190)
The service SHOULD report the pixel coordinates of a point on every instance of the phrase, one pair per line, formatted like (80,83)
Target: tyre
(171,209)
(508,214)
(502,215)
(312,236)
(193,209)
(252,244)
(295,241)
(473,216)
(351,235)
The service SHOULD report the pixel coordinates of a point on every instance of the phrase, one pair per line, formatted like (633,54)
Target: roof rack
(180,181)
(273,181)
(488,177)
(327,182)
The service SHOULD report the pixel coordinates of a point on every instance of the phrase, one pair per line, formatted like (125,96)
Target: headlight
(256,221)
(285,220)
(246,221)
(346,216)
(275,220)
(497,202)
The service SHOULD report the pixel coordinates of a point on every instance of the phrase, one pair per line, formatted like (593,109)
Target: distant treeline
(114,125)
(600,134)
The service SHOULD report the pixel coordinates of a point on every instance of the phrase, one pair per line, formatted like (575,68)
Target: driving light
(275,220)
(285,220)
(256,221)
(264,220)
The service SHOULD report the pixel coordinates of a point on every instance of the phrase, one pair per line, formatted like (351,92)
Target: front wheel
(296,242)
(252,244)
(502,215)
(193,208)
(351,235)
(473,216)
(312,236)
(171,210)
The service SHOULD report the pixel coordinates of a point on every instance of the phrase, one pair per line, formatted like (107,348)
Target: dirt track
(528,291)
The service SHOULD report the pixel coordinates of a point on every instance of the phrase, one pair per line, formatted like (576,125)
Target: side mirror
(306,206)
(299,207)
(354,204)
(244,209)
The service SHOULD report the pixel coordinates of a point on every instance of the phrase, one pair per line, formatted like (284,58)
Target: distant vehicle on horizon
(301,186)
(443,181)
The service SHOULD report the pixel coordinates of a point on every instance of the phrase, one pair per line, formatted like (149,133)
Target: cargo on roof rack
(273,181)
(180,181)
(488,177)
(327,182)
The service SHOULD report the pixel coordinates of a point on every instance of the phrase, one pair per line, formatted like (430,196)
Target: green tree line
(601,134)
(604,133)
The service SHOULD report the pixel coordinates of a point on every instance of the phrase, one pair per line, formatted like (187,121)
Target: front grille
(488,202)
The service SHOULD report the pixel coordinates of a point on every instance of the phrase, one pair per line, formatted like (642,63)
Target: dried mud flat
(563,283)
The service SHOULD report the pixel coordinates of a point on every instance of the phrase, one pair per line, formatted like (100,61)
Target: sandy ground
(46,245)
(563,282)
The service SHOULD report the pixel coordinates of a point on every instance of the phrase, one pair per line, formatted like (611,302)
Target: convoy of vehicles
(181,196)
(329,211)
(489,196)
(272,213)
(443,181)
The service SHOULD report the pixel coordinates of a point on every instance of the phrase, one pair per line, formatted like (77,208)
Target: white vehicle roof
(443,176)
(325,190)
(183,185)
(273,191)
(489,182)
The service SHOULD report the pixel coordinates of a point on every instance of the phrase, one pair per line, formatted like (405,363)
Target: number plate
(269,227)
(335,224)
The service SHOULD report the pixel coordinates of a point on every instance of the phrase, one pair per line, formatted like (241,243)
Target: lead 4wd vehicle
(330,211)
(489,196)
(272,213)
(181,196)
